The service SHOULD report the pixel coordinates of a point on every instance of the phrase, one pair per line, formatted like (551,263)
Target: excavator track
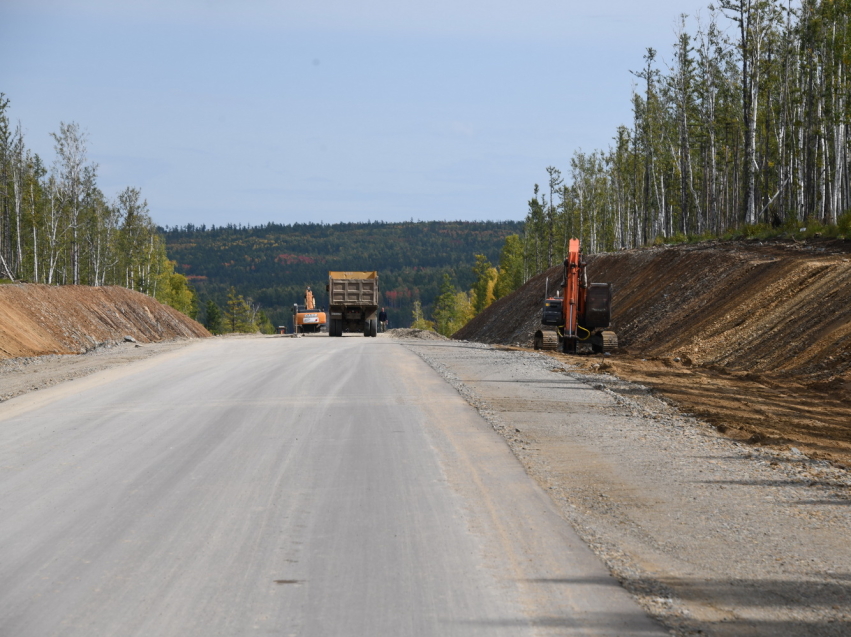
(546,340)
(610,341)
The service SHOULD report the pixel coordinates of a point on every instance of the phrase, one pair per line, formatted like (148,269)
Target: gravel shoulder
(713,536)
(23,375)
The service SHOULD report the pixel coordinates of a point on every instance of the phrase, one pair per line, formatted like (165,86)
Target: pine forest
(272,265)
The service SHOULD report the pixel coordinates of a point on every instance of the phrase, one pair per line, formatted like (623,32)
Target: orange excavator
(308,319)
(577,318)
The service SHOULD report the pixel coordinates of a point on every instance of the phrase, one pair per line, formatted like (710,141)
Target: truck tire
(373,327)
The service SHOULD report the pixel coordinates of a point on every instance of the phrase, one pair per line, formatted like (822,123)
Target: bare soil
(39,320)
(752,337)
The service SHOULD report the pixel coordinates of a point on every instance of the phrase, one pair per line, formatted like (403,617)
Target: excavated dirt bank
(37,320)
(752,337)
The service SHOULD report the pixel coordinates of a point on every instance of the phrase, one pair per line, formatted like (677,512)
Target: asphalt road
(314,487)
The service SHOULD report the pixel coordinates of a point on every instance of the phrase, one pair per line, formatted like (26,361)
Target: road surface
(311,487)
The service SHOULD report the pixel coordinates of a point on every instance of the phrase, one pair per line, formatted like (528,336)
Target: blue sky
(255,111)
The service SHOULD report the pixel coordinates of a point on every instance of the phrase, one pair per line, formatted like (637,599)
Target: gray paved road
(314,487)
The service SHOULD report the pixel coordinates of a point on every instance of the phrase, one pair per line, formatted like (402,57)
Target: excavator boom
(570,306)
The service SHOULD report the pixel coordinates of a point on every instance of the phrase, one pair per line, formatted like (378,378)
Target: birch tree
(73,179)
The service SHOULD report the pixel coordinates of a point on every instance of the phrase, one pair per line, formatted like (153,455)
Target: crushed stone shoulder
(712,536)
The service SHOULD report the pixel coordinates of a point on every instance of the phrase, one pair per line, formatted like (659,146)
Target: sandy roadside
(22,375)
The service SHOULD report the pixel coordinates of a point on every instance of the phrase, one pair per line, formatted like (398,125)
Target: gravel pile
(405,333)
(711,535)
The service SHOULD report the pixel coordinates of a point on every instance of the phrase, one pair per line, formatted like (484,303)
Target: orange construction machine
(307,318)
(577,318)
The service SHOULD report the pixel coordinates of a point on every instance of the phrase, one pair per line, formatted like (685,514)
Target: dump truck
(577,318)
(308,318)
(353,303)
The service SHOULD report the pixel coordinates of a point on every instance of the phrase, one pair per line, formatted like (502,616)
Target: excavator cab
(552,312)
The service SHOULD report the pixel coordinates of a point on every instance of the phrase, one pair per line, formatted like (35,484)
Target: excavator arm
(574,297)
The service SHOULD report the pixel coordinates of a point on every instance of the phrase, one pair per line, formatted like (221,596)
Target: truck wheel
(373,327)
(366,327)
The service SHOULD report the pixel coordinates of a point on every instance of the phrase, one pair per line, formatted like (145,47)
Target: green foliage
(264,324)
(419,322)
(463,311)
(174,290)
(482,293)
(274,263)
(510,267)
(843,225)
(452,308)
(213,320)
(57,226)
(444,307)
(238,314)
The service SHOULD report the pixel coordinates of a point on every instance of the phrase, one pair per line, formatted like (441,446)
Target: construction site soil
(752,337)
(38,320)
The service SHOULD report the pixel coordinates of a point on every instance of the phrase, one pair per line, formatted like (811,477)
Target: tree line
(745,128)
(58,228)
(272,264)
(454,307)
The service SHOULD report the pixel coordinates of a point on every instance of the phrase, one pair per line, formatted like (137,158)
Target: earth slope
(753,337)
(36,320)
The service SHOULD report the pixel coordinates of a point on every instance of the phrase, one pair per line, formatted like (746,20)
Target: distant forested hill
(272,264)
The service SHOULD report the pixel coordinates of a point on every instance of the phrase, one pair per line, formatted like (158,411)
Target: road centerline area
(307,487)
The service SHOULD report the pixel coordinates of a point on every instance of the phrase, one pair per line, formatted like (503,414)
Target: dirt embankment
(36,320)
(755,338)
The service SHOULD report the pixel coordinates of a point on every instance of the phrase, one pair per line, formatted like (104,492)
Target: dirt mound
(404,332)
(755,338)
(40,319)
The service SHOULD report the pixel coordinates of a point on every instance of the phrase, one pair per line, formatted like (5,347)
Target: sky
(256,111)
